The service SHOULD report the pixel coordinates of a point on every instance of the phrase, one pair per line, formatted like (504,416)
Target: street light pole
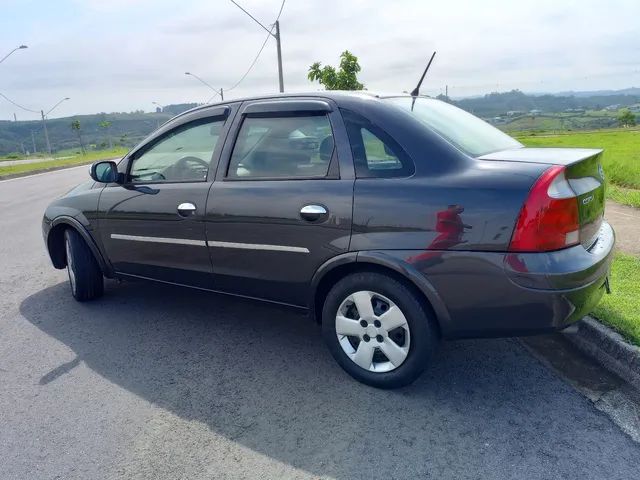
(21,47)
(221,93)
(276,36)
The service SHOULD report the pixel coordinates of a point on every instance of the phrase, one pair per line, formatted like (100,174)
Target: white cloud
(122,55)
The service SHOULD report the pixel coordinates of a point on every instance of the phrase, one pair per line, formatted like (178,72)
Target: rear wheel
(378,330)
(85,276)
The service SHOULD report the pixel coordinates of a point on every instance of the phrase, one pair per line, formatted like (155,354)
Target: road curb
(608,348)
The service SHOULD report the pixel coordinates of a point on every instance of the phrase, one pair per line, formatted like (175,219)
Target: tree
(345,78)
(626,118)
(75,126)
(106,124)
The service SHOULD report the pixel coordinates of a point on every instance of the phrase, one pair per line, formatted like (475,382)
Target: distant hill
(635,91)
(127,129)
(494,104)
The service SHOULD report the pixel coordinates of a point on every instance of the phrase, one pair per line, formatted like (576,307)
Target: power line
(269,35)
(17,104)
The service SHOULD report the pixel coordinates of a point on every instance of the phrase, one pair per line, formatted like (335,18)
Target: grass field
(621,309)
(621,158)
(65,159)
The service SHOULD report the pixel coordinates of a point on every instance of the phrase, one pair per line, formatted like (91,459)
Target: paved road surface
(626,221)
(165,383)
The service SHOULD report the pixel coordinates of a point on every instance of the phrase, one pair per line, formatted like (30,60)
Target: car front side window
(183,155)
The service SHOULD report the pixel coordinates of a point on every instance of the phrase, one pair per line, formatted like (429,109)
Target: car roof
(337,95)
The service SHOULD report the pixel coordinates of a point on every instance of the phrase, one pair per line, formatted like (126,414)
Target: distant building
(514,113)
(612,108)
(635,108)
(535,111)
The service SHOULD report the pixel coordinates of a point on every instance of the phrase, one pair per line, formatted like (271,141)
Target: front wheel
(85,276)
(378,330)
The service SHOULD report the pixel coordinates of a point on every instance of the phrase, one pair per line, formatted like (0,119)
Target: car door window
(182,155)
(375,153)
(282,147)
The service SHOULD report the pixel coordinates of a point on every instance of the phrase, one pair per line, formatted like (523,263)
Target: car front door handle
(312,213)
(186,209)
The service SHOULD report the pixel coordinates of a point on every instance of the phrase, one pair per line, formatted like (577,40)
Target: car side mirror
(104,172)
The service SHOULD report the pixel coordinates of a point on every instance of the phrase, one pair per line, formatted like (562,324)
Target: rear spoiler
(551,156)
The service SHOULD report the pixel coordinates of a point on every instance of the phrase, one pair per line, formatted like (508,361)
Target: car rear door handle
(312,213)
(186,209)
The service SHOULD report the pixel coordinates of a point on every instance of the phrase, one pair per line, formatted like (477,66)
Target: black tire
(85,276)
(421,324)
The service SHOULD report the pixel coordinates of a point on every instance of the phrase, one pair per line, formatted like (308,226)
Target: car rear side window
(282,147)
(375,153)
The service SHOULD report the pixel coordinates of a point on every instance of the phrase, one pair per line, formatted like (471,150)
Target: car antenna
(416,91)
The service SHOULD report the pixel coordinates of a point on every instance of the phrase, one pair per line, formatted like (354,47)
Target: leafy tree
(75,126)
(626,118)
(107,126)
(345,78)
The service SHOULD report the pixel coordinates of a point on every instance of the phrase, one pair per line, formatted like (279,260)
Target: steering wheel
(184,170)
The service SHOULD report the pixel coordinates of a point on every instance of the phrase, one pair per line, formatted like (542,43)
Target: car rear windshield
(473,136)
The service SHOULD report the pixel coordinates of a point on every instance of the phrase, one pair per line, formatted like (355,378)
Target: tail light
(549,219)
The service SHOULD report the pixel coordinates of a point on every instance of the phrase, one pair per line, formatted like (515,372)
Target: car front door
(281,203)
(152,225)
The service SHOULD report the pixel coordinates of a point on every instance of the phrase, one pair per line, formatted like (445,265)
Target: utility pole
(46,133)
(33,142)
(276,36)
(446,91)
(280,76)
(44,123)
(221,95)
(15,118)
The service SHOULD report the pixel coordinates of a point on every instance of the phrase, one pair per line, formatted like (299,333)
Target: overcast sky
(121,55)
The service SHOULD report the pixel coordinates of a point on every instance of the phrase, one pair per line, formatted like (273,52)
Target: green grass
(621,309)
(621,159)
(626,196)
(75,159)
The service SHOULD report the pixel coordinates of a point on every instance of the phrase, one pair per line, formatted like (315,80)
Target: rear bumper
(492,294)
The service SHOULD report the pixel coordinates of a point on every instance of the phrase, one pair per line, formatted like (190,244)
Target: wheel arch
(55,243)
(374,261)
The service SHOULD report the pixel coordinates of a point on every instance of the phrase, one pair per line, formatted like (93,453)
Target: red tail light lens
(549,219)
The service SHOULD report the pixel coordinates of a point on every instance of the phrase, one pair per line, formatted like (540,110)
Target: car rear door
(281,203)
(152,225)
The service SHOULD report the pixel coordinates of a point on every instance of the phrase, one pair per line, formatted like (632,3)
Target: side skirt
(120,275)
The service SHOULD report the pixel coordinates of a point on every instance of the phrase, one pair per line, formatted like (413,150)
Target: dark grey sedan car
(396,221)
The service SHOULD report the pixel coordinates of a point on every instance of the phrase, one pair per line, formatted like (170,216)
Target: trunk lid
(583,171)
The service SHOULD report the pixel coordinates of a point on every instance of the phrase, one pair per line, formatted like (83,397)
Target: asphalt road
(166,383)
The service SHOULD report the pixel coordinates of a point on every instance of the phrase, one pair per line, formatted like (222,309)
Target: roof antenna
(416,91)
